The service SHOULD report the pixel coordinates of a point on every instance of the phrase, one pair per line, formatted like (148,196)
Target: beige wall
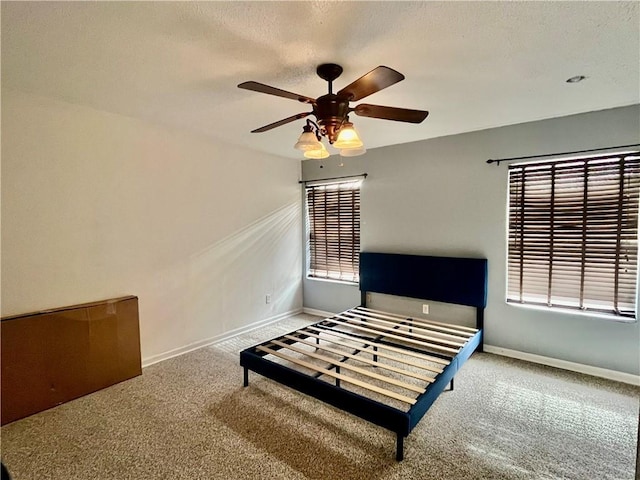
(96,205)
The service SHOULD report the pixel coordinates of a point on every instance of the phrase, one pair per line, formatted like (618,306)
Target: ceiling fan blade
(372,82)
(281,122)
(391,113)
(262,88)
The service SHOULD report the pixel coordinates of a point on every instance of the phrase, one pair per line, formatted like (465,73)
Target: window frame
(590,170)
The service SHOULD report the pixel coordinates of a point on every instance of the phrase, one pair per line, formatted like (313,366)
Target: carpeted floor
(190,418)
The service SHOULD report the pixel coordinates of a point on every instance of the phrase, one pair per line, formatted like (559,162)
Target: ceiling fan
(332,110)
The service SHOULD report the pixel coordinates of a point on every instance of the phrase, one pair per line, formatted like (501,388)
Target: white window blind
(333,226)
(573,233)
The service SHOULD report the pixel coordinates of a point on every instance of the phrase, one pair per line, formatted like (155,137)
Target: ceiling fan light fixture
(353,152)
(348,137)
(318,153)
(307,140)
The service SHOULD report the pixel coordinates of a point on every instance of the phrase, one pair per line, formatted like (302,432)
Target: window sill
(562,311)
(331,280)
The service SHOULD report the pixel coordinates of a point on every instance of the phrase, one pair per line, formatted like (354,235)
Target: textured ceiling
(472,65)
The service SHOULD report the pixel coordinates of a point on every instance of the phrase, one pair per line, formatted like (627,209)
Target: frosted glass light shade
(317,154)
(352,152)
(307,141)
(348,137)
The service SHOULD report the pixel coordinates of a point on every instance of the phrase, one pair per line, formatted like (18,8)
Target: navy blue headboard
(462,281)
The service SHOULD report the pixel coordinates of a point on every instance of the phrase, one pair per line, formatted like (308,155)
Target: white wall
(439,197)
(97,205)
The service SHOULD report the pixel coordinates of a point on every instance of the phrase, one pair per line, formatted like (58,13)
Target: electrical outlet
(425,308)
(267,298)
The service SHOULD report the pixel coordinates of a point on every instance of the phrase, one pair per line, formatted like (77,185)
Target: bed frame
(402,364)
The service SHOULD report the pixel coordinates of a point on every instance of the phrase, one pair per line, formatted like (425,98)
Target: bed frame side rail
(363,407)
(425,400)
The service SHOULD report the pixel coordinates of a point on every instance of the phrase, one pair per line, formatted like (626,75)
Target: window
(333,226)
(573,234)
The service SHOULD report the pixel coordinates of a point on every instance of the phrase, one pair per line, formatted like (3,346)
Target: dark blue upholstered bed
(383,367)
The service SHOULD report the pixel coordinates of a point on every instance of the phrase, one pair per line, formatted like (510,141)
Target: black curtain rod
(334,178)
(513,159)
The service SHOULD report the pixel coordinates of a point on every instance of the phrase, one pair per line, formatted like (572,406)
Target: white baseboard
(318,313)
(565,365)
(218,338)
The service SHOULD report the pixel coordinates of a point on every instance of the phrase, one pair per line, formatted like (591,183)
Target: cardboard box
(54,356)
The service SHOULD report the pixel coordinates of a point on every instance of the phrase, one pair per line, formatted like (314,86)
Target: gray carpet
(190,418)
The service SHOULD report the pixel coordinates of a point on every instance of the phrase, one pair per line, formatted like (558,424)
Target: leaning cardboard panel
(54,356)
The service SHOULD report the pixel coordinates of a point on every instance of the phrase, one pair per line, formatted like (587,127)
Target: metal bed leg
(399,448)
(480,326)
(450,385)
(375,357)
(337,379)
(246,377)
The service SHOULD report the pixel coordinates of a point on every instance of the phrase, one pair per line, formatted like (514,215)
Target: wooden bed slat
(409,322)
(346,366)
(449,332)
(448,327)
(360,358)
(339,334)
(386,333)
(339,376)
(457,343)
(371,351)
(469,331)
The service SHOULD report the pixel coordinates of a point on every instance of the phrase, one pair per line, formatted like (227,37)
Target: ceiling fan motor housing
(331,112)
